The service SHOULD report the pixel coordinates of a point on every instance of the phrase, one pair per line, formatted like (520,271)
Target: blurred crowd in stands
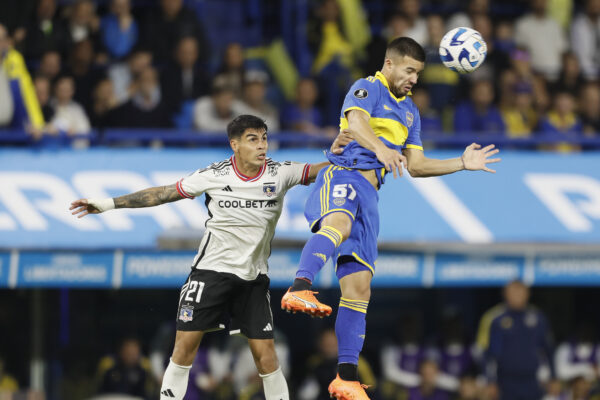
(70,66)
(511,356)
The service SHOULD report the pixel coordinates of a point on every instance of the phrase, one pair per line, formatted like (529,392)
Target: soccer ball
(463,50)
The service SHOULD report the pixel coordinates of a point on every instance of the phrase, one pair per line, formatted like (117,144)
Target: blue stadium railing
(190,138)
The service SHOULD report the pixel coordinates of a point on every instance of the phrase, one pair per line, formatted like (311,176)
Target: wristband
(102,204)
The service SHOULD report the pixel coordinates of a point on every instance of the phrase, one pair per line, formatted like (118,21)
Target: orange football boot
(306,302)
(347,390)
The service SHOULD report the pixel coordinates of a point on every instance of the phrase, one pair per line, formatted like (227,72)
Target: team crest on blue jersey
(410,118)
(361,93)
(186,314)
(339,201)
(269,189)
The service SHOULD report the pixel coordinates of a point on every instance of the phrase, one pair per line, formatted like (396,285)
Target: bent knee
(339,221)
(267,363)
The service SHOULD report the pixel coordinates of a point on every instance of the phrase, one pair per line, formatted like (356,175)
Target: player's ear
(234,143)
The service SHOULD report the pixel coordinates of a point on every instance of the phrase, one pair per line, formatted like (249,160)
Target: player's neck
(246,167)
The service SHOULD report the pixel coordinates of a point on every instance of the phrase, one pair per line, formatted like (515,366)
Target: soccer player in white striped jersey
(244,196)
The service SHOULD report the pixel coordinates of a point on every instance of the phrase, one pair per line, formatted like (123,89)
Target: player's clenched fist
(83,207)
(391,159)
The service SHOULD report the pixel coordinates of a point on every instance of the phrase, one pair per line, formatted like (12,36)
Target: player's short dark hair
(237,127)
(405,46)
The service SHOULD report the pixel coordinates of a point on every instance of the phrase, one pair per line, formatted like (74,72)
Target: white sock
(275,385)
(175,382)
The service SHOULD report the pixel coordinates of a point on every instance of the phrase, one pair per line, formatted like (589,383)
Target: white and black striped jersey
(243,213)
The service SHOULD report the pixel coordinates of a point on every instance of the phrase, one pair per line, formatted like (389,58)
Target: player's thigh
(250,311)
(357,286)
(186,347)
(265,357)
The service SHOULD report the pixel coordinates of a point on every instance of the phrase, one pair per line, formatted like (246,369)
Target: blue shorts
(339,189)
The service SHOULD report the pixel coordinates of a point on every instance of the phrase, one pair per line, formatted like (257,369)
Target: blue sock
(350,328)
(316,252)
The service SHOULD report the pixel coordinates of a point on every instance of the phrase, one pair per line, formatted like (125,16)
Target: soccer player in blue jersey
(342,207)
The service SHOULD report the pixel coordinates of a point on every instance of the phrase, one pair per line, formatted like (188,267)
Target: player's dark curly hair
(237,127)
(405,46)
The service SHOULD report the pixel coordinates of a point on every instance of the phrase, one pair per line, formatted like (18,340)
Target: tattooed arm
(150,197)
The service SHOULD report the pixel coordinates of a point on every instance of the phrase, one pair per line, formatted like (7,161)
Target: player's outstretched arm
(474,158)
(150,197)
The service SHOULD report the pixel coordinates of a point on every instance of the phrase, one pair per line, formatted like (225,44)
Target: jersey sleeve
(293,173)
(363,95)
(194,184)
(413,141)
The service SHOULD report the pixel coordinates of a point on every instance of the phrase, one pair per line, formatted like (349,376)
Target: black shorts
(211,300)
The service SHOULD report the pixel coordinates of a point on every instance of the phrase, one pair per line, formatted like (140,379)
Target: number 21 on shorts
(194,287)
(341,191)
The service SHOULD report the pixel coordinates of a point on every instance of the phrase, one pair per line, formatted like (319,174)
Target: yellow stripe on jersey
(414,146)
(357,108)
(391,130)
(381,78)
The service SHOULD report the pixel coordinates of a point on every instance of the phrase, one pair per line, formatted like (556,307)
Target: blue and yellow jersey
(395,121)
(27,108)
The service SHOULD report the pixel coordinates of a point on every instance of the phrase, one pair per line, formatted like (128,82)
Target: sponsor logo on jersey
(410,118)
(247,203)
(321,256)
(385,107)
(268,328)
(361,93)
(269,189)
(167,393)
(186,314)
(221,172)
(272,169)
(227,189)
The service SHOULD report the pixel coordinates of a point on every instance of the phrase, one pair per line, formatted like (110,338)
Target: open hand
(475,158)
(341,140)
(83,208)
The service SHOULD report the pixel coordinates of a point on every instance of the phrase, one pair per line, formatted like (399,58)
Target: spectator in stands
(45,32)
(585,39)
(401,358)
(504,38)
(517,110)
(8,384)
(232,70)
(119,29)
(417,27)
(494,62)
(397,25)
(26,109)
(184,80)
(468,389)
(42,91)
(543,38)
(579,356)
(570,78)
(515,338)
(453,355)
(6,105)
(167,24)
(436,77)
(303,116)
(83,22)
(69,116)
(561,122)
(255,102)
(479,115)
(50,65)
(322,365)
(213,113)
(430,118)
(124,75)
(589,109)
(104,101)
(145,108)
(127,373)
(555,391)
(541,95)
(580,388)
(475,7)
(334,57)
(85,73)
(427,389)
